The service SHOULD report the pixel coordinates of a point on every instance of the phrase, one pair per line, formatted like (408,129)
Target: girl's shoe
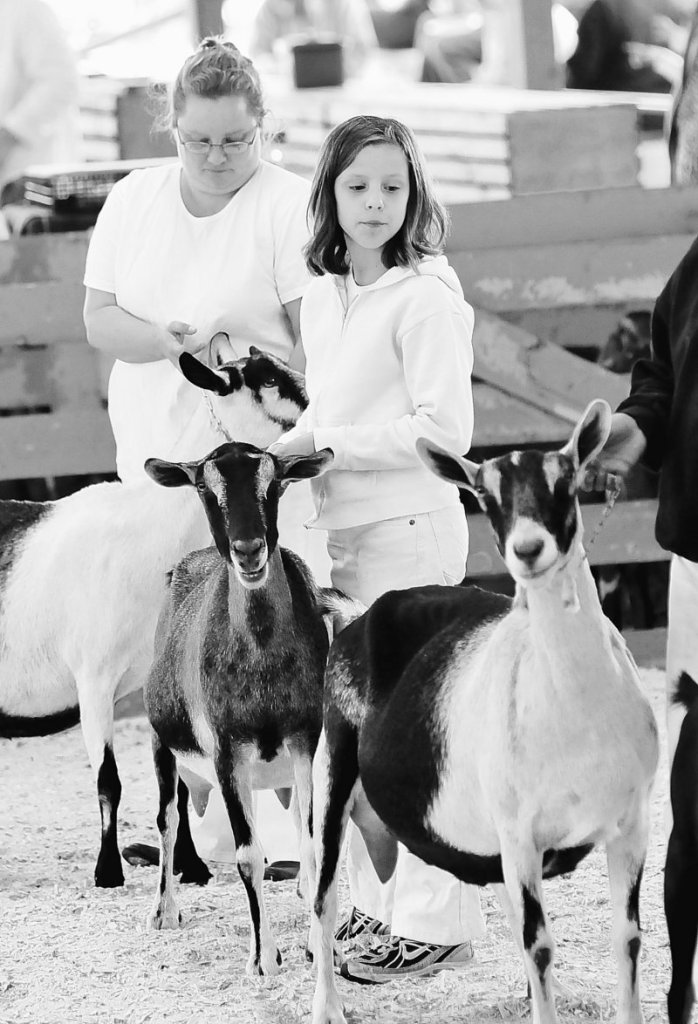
(404,958)
(359,923)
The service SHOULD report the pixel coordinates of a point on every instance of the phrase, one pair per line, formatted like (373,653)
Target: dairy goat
(235,691)
(82,580)
(500,740)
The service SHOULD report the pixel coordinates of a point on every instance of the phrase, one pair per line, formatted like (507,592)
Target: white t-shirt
(231,272)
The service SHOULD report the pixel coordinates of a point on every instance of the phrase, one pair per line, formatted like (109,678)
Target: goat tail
(338,609)
(685,691)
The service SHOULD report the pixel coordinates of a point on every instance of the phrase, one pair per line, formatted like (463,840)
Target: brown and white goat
(497,740)
(237,679)
(83,578)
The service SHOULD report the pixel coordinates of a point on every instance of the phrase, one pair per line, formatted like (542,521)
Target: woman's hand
(178,337)
(624,447)
(304,444)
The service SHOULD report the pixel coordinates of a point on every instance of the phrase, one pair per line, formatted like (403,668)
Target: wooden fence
(546,273)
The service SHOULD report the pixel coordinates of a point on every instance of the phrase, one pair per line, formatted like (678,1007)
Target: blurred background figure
(279,24)
(39,117)
(468,40)
(628,45)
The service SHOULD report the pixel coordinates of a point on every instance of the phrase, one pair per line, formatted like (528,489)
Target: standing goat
(237,679)
(82,581)
(498,740)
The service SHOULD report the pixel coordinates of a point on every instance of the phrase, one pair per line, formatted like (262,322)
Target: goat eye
(201,486)
(270,382)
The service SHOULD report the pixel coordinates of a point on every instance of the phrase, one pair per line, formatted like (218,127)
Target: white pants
(682,640)
(419,902)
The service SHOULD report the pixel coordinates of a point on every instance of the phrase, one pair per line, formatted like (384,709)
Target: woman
(204,247)
(187,250)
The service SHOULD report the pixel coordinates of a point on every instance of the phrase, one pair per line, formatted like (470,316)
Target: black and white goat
(500,740)
(82,581)
(235,691)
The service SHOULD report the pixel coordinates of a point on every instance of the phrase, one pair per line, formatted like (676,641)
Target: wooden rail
(543,271)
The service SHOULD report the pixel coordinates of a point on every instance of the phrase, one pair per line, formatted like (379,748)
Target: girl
(387,336)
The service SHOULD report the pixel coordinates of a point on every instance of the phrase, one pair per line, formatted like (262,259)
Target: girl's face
(218,172)
(371,196)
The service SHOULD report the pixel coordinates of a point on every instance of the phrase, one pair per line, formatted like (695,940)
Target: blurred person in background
(469,40)
(626,45)
(281,23)
(39,117)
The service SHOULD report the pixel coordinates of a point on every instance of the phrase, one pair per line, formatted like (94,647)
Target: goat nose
(528,550)
(248,549)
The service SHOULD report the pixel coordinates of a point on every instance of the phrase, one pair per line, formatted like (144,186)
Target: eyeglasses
(202,148)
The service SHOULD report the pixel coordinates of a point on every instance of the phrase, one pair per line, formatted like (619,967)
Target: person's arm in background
(51,77)
(293,312)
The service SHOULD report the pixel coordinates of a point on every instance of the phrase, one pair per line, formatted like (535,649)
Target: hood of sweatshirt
(429,266)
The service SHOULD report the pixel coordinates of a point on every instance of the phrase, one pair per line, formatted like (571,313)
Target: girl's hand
(177,337)
(304,444)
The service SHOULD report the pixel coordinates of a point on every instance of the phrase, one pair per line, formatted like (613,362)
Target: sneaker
(359,923)
(404,958)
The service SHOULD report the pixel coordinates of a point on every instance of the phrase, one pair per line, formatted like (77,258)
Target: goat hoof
(161,919)
(109,874)
(195,873)
(266,966)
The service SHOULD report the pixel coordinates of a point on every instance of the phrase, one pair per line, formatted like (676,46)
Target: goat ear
(590,434)
(453,468)
(304,467)
(203,376)
(221,350)
(170,474)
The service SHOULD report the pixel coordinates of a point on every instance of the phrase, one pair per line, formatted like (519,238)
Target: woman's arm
(120,334)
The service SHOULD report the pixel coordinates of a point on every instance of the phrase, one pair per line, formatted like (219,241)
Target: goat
(633,594)
(500,740)
(82,580)
(237,679)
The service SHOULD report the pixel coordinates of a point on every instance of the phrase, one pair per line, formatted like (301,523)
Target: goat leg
(234,781)
(335,780)
(165,913)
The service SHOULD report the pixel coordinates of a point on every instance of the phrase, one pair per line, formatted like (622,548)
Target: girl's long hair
(426,220)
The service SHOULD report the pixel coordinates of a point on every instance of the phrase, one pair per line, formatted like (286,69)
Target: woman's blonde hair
(215,69)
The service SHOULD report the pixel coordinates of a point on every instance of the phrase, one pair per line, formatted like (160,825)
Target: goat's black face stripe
(260,371)
(525,490)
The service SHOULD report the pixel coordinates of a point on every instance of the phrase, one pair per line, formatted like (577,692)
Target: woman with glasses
(205,247)
(209,245)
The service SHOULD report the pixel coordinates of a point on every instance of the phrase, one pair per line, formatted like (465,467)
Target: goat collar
(215,418)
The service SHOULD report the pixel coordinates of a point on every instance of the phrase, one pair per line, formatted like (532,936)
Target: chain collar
(215,419)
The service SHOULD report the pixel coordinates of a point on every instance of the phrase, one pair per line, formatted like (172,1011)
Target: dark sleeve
(652,383)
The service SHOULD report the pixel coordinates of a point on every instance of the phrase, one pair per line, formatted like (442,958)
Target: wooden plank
(593,149)
(42,314)
(543,375)
(59,444)
(569,217)
(502,420)
(559,275)
(50,377)
(59,257)
(577,327)
(626,536)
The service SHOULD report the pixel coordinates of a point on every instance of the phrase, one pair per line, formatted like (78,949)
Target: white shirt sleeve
(290,236)
(100,265)
(437,361)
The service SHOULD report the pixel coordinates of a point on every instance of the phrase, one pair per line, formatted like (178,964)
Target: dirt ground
(73,954)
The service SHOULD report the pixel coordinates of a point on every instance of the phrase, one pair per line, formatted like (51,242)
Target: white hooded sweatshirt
(387,363)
